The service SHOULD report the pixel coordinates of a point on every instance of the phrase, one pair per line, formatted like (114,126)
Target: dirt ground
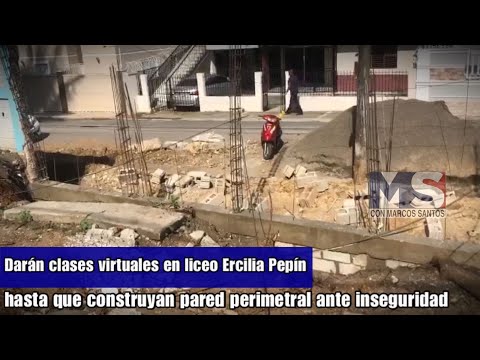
(266,179)
(401,280)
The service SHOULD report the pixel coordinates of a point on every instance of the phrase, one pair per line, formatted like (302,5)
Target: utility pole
(363,74)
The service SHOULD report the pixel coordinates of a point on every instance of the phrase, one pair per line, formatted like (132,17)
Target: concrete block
(150,145)
(128,234)
(360,260)
(324,266)
(317,253)
(282,244)
(184,181)
(172,180)
(205,182)
(190,244)
(342,217)
(207,241)
(197,235)
(197,175)
(300,170)
(450,197)
(348,269)
(394,264)
(219,185)
(435,228)
(354,216)
(157,176)
(288,171)
(336,256)
(311,179)
(214,199)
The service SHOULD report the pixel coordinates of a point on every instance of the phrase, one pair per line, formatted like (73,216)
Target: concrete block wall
(335,262)
(252,103)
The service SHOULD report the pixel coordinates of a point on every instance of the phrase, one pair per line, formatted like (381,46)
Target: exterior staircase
(179,65)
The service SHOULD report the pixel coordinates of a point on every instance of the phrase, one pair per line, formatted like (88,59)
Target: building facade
(450,74)
(11,135)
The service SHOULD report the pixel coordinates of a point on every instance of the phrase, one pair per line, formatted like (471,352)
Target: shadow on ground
(70,168)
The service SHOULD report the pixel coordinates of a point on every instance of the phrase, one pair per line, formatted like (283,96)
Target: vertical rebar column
(283,90)
(236,146)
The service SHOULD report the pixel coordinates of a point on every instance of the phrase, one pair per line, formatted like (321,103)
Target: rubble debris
(205,182)
(394,279)
(207,241)
(475,232)
(465,277)
(197,235)
(347,216)
(109,291)
(149,145)
(308,197)
(128,177)
(450,197)
(128,235)
(209,137)
(190,244)
(213,199)
(434,228)
(197,175)
(96,237)
(312,179)
(174,144)
(220,185)
(124,311)
(184,181)
(158,176)
(300,170)
(288,171)
(171,182)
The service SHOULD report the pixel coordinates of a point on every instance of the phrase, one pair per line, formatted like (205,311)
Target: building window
(74,53)
(472,69)
(384,57)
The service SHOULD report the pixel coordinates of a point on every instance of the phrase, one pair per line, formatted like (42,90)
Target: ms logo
(407,190)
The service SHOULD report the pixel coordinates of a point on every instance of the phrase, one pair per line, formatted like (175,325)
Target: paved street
(172,129)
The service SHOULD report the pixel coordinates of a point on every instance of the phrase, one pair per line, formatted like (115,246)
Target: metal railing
(341,83)
(385,82)
(163,88)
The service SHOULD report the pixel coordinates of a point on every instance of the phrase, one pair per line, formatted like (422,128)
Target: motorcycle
(271,135)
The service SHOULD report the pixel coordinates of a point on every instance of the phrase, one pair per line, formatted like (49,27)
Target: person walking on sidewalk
(294,105)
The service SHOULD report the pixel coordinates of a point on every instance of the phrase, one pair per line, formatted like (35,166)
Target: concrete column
(259,91)
(213,66)
(202,91)
(287,77)
(422,76)
(144,84)
(328,65)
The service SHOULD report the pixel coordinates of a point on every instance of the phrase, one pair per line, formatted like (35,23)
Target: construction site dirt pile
(424,136)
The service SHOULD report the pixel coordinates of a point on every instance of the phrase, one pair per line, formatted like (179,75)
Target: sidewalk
(186,116)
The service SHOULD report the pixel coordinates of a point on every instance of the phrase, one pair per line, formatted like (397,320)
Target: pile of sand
(426,137)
